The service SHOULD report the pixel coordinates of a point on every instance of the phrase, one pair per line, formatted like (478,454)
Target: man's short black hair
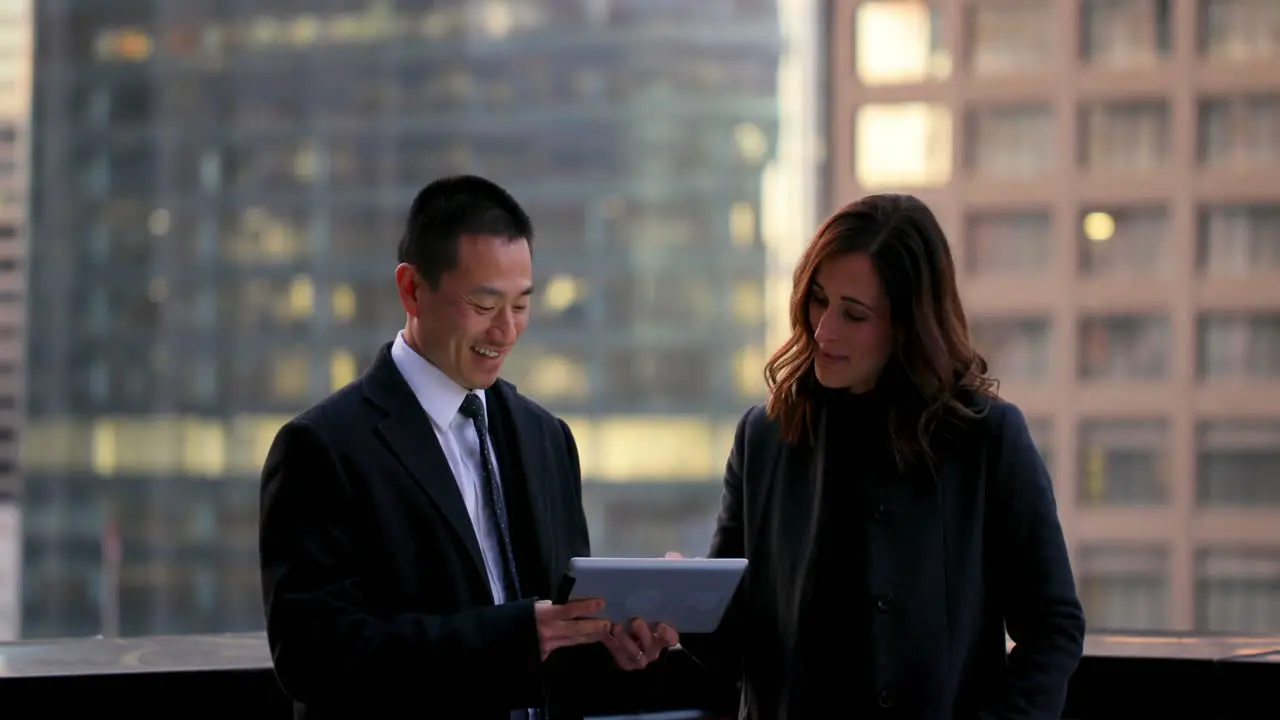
(451,207)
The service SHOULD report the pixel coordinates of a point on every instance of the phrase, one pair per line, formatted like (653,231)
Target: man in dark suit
(411,520)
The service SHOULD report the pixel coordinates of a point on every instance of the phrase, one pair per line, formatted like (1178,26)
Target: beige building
(15,109)
(1109,173)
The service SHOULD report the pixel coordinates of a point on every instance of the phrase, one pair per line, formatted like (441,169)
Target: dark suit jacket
(953,559)
(376,599)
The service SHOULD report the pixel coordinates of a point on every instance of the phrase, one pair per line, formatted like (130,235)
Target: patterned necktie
(473,408)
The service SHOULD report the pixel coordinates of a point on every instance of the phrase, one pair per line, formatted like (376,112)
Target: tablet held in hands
(690,595)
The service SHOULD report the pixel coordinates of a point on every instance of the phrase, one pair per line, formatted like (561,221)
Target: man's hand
(634,645)
(569,624)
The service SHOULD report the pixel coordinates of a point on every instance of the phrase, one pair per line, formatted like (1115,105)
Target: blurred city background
(200,201)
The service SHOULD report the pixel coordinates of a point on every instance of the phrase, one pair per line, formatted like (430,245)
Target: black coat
(377,602)
(953,558)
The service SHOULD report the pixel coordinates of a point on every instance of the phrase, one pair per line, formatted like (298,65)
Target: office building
(218,191)
(1109,173)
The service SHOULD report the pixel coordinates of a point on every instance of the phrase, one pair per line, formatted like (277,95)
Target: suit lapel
(408,433)
(531,454)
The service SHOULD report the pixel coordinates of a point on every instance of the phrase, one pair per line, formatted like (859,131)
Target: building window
(1016,348)
(1238,463)
(1123,462)
(1127,241)
(261,236)
(1011,36)
(290,376)
(563,228)
(1120,347)
(264,377)
(1125,588)
(657,378)
(199,380)
(252,166)
(1236,30)
(665,226)
(748,378)
(1125,33)
(900,42)
(1239,345)
(902,145)
(559,376)
(666,299)
(1240,240)
(1238,590)
(562,302)
(123,45)
(1008,243)
(1010,139)
(1240,132)
(374,309)
(1125,135)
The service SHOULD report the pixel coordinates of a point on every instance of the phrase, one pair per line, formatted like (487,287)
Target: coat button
(882,513)
(886,698)
(884,602)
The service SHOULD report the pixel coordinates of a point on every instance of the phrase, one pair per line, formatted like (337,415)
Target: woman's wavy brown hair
(933,372)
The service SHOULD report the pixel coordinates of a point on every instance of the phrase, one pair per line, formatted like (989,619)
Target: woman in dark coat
(896,514)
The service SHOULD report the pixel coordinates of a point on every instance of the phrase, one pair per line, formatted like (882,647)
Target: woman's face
(849,315)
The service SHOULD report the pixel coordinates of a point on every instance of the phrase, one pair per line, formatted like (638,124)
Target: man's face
(468,324)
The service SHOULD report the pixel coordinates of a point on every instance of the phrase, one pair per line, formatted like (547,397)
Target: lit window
(104,448)
(126,44)
(556,377)
(902,145)
(159,222)
(204,449)
(301,297)
(342,369)
(344,303)
(290,377)
(748,302)
(561,292)
(742,223)
(751,141)
(748,365)
(642,447)
(899,42)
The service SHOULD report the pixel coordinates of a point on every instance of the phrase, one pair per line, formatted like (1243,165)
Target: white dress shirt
(441,398)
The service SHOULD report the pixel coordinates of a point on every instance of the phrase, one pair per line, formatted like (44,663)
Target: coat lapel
(787,529)
(407,431)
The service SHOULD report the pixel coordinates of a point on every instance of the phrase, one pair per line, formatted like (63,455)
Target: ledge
(1201,676)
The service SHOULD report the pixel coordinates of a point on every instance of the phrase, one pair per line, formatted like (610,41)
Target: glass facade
(218,188)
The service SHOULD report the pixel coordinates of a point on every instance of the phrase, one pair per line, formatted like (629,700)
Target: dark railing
(1200,677)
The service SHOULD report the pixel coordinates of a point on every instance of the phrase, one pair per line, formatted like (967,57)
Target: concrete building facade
(1109,176)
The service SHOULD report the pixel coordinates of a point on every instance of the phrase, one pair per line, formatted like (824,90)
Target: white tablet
(689,594)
